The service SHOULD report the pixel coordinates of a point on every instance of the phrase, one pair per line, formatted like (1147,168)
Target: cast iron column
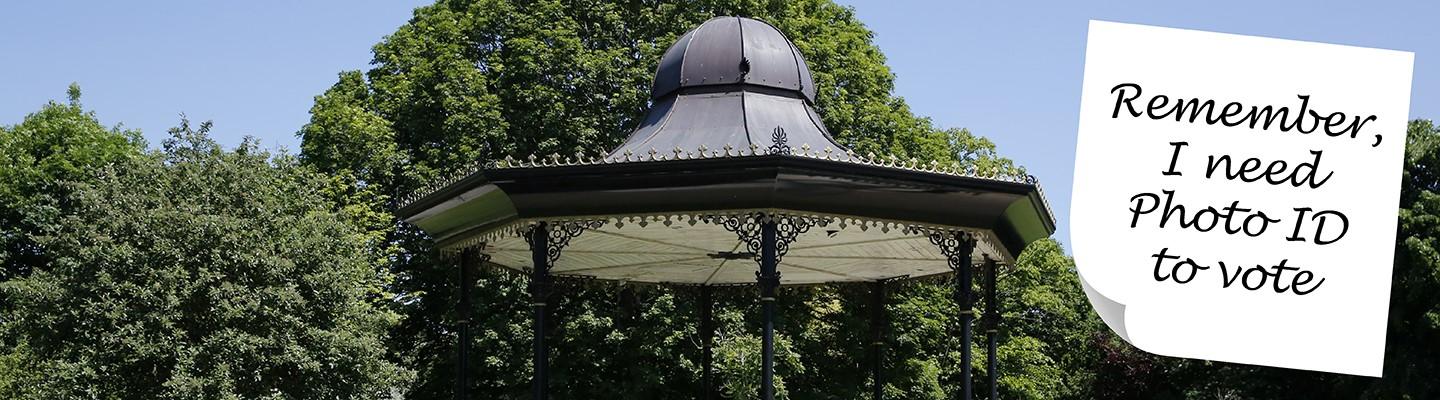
(539,290)
(966,298)
(769,279)
(957,246)
(462,367)
(768,237)
(877,339)
(992,325)
(707,340)
(546,239)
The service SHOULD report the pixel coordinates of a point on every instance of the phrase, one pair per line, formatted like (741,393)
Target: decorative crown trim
(702,152)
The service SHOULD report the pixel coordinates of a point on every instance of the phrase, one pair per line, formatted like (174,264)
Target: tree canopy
(191,272)
(60,143)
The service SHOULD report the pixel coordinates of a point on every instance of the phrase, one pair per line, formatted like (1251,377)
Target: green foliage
(200,273)
(738,356)
(472,80)
(1045,350)
(620,342)
(14,370)
(61,142)
(1413,340)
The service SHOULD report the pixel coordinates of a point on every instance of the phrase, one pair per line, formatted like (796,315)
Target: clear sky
(1010,71)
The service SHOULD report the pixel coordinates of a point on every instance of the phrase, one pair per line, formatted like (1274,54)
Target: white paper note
(1236,197)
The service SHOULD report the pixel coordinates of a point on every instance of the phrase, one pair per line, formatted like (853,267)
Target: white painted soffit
(682,253)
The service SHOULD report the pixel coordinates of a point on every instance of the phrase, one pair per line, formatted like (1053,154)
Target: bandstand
(732,179)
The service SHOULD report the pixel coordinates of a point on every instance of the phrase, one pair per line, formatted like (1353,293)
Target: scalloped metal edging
(655,155)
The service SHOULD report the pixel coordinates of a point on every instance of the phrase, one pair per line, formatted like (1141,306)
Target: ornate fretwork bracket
(482,258)
(551,238)
(748,227)
(557,235)
(955,245)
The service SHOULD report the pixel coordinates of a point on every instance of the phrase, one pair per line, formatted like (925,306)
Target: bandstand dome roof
(732,131)
(730,82)
(730,50)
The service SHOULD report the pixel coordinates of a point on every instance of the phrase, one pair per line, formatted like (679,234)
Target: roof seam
(820,125)
(740,27)
(744,111)
(684,55)
(794,55)
(799,76)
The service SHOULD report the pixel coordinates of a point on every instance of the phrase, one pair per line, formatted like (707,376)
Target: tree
(197,272)
(1413,340)
(1045,350)
(60,143)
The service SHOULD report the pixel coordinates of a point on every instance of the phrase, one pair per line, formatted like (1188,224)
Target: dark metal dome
(730,50)
(731,83)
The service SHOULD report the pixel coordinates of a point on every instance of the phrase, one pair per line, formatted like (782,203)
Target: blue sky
(1010,71)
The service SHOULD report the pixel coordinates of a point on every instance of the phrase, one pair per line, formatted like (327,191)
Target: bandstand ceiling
(707,254)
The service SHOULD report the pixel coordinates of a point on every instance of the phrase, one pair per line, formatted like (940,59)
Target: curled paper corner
(1111,311)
